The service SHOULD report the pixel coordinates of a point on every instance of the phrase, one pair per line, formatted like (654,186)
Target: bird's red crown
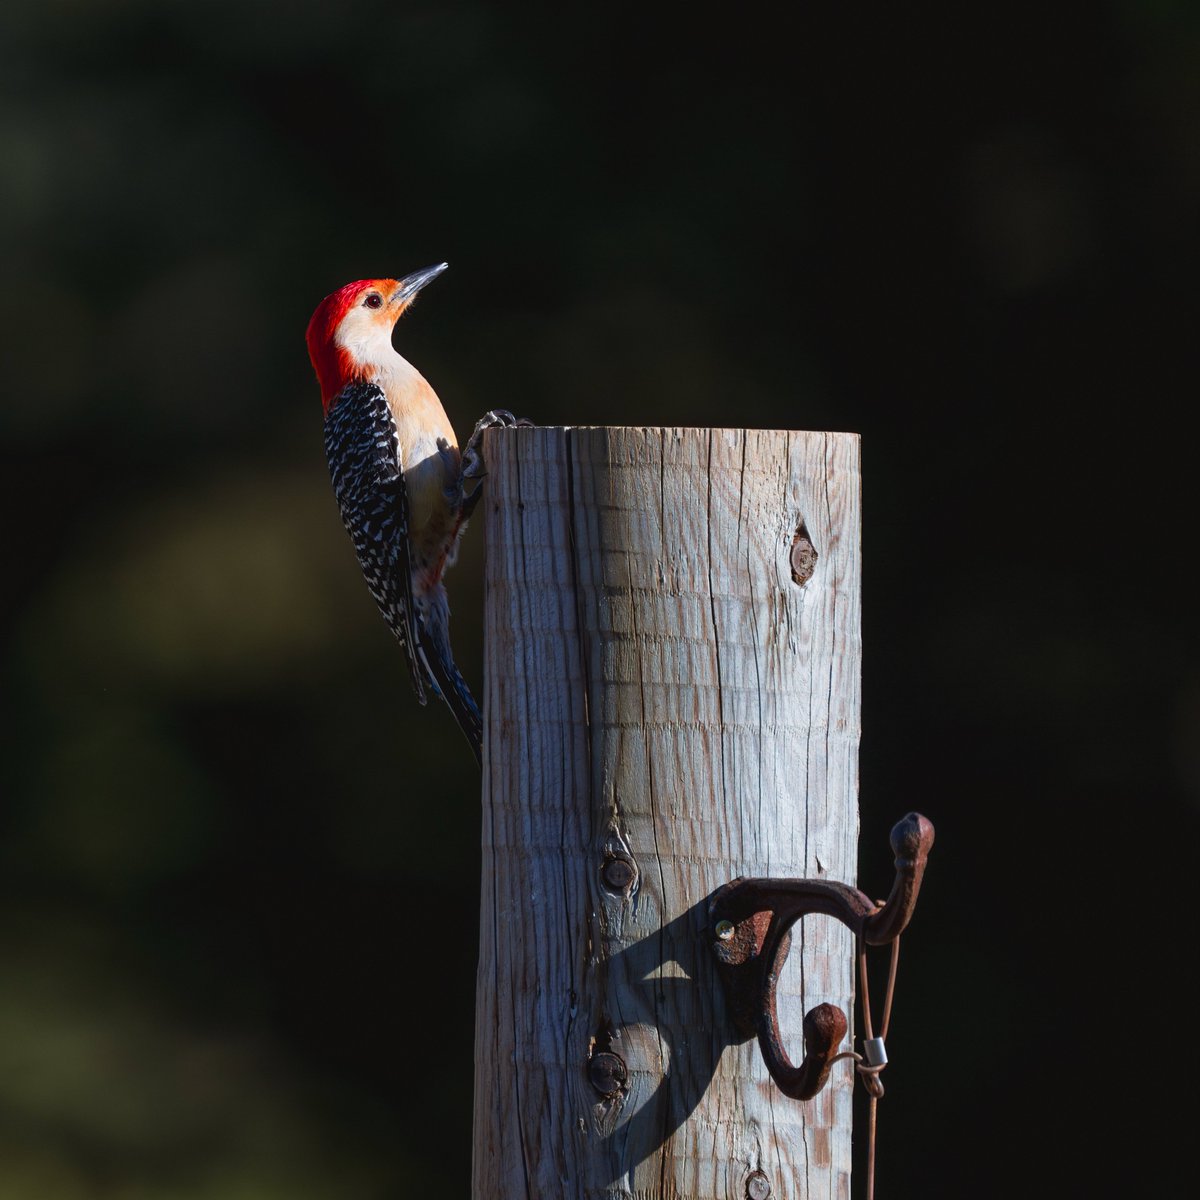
(335,365)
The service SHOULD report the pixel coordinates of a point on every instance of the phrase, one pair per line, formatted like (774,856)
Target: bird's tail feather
(452,687)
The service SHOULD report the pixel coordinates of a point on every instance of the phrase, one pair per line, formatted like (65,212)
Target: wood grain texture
(657,684)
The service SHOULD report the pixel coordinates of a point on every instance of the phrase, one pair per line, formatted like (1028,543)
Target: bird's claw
(498,418)
(472,459)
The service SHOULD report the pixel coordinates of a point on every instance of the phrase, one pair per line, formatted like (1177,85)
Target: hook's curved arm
(912,839)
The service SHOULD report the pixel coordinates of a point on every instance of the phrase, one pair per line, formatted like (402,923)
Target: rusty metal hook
(751,921)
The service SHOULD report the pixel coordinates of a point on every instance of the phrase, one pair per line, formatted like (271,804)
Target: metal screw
(618,874)
(758,1186)
(724,930)
(607,1073)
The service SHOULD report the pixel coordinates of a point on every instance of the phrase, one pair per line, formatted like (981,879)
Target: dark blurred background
(968,233)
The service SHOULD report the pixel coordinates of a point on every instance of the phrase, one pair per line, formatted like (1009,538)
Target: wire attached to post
(870,1064)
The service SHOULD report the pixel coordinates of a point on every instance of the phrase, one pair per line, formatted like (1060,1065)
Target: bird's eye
(374,300)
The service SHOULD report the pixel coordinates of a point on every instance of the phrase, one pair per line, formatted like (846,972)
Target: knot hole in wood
(804,555)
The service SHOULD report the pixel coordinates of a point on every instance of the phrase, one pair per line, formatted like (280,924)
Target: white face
(366,329)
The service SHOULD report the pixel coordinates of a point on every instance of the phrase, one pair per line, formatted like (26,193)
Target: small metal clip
(875,1052)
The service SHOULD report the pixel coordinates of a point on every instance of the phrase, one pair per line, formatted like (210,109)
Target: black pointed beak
(410,285)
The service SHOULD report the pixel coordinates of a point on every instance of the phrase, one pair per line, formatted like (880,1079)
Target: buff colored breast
(431,474)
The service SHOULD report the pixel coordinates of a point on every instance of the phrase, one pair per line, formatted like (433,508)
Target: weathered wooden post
(672,700)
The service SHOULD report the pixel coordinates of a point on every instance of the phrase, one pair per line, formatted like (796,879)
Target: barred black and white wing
(364,462)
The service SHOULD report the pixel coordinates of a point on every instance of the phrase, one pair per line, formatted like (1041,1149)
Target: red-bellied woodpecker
(402,486)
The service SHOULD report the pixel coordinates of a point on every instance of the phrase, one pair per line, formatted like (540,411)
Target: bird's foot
(472,458)
(498,418)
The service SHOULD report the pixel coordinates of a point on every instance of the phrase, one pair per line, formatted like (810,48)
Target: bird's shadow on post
(669,988)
